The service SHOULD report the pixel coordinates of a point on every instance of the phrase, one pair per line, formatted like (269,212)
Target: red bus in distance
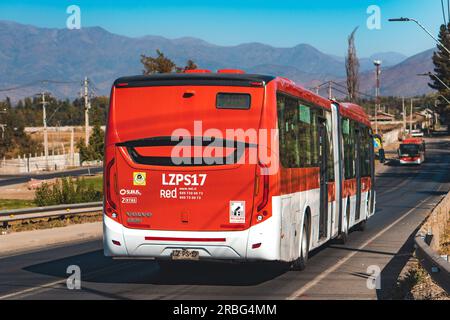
(412,151)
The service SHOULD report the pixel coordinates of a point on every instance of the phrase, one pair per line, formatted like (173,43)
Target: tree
(191,65)
(162,64)
(13,140)
(441,61)
(352,68)
(95,150)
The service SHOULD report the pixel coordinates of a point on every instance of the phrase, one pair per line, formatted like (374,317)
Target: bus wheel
(300,263)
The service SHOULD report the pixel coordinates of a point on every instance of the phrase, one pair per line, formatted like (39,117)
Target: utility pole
(44,119)
(87,106)
(3,125)
(411,117)
(377,64)
(72,138)
(404,115)
(330,90)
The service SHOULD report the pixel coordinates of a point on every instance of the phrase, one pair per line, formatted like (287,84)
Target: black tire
(300,263)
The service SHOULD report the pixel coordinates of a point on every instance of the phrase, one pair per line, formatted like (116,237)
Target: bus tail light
(110,204)
(265,192)
(197,71)
(235,71)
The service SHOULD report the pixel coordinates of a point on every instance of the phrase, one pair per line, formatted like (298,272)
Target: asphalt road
(405,196)
(6,180)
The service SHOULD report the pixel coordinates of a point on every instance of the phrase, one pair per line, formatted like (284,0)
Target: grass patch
(96,182)
(68,190)
(7,204)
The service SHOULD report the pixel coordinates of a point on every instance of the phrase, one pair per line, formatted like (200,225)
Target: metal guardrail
(50,211)
(437,267)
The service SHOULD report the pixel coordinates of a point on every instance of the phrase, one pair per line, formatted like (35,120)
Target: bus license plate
(185,255)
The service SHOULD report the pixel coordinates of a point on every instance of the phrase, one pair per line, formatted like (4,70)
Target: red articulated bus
(412,151)
(232,166)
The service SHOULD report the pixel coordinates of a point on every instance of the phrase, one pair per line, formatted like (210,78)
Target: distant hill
(402,79)
(29,53)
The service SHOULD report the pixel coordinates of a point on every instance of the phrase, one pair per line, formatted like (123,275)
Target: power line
(37,82)
(19,87)
(327,83)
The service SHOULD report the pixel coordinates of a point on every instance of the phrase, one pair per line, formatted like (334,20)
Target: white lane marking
(22,292)
(327,272)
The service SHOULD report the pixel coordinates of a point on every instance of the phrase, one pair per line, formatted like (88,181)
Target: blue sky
(324,24)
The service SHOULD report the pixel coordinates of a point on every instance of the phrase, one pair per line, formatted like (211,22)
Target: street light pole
(423,28)
(377,64)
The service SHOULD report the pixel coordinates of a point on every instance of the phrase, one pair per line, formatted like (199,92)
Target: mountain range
(29,54)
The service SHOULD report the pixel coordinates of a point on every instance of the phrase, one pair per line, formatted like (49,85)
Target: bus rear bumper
(255,243)
(410,162)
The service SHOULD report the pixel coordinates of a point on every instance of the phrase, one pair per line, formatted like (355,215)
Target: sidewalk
(31,240)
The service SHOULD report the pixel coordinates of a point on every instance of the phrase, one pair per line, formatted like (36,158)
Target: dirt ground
(445,243)
(16,191)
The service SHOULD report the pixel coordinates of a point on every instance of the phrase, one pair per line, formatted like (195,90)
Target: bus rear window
(233,101)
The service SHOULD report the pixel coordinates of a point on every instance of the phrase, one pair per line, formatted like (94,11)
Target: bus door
(372,176)
(359,145)
(323,160)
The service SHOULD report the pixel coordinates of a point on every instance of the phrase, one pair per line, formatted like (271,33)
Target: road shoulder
(19,242)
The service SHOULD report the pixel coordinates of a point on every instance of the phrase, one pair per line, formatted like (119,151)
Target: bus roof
(234,78)
(349,110)
(203,78)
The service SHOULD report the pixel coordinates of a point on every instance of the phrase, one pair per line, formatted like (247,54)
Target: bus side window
(330,164)
(289,133)
(348,131)
(365,152)
(305,135)
(314,129)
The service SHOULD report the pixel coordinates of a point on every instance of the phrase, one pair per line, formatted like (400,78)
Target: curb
(437,267)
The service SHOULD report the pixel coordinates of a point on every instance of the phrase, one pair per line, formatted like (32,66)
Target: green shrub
(66,191)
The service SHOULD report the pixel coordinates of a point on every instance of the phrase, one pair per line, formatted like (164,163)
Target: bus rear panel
(159,200)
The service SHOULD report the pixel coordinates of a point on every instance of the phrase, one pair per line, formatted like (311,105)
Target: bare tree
(352,68)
